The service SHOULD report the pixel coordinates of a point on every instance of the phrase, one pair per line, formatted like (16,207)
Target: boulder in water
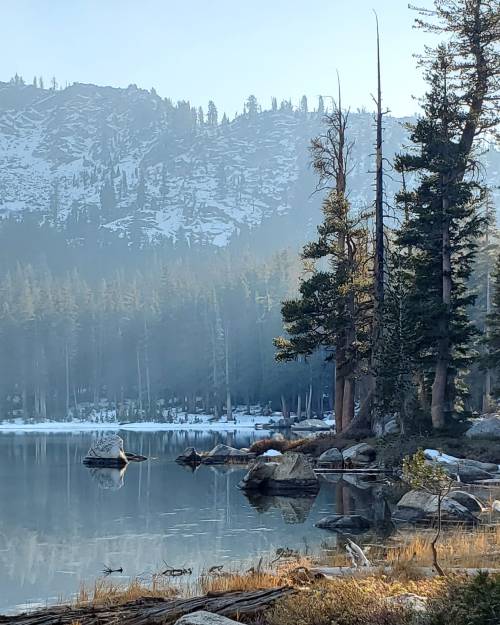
(189,456)
(350,523)
(359,455)
(292,474)
(222,454)
(106,452)
(332,456)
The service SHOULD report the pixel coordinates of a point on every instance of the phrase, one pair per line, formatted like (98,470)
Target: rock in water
(489,427)
(221,454)
(359,455)
(201,617)
(350,523)
(107,450)
(332,456)
(292,474)
(189,456)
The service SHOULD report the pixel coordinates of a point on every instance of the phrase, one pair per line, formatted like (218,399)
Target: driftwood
(149,611)
(426,571)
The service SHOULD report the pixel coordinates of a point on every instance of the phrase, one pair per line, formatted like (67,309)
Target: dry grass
(460,548)
(349,601)
(269,575)
(107,593)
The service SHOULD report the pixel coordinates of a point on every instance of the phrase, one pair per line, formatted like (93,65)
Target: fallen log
(151,611)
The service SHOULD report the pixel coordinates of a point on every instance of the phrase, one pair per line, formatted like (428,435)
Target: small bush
(475,601)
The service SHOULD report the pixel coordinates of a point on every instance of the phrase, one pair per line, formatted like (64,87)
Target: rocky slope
(135,164)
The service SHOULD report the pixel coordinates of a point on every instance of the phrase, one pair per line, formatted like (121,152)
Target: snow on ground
(189,422)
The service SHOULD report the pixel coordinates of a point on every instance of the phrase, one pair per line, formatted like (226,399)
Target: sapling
(433,479)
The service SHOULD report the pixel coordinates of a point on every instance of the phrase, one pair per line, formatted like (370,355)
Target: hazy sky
(217,49)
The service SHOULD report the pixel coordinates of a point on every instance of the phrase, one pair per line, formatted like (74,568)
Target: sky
(221,50)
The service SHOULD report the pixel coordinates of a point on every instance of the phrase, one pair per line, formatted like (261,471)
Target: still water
(61,523)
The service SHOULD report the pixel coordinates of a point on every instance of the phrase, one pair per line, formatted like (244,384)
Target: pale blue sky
(217,49)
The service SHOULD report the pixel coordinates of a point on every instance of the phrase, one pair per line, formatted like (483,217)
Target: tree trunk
(439,386)
(299,406)
(67,378)
(348,405)
(339,396)
(139,377)
(229,407)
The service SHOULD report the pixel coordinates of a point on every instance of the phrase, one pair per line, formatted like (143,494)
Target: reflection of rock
(293,509)
(292,474)
(109,479)
(107,451)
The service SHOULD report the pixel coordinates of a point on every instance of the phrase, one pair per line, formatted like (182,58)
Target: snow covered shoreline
(203,424)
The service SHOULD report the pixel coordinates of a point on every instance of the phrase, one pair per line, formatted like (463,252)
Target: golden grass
(351,601)
(106,593)
(282,573)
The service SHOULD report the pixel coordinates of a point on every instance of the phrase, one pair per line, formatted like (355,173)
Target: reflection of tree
(108,479)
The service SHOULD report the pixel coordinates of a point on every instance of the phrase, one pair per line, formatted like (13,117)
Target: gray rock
(466,473)
(409,601)
(293,473)
(204,618)
(426,503)
(467,500)
(189,456)
(351,523)
(489,428)
(107,450)
(332,456)
(359,455)
(221,454)
(258,474)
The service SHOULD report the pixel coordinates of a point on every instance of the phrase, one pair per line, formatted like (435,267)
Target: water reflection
(60,522)
(109,479)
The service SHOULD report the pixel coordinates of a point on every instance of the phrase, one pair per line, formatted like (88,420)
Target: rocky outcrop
(424,506)
(313,425)
(292,474)
(204,618)
(333,457)
(359,455)
(189,456)
(488,427)
(349,523)
(106,452)
(222,454)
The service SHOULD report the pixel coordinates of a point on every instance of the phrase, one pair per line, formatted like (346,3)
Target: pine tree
(333,311)
(491,359)
(212,115)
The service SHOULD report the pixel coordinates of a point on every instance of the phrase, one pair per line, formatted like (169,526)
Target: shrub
(474,601)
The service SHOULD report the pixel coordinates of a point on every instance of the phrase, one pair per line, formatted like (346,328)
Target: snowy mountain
(130,162)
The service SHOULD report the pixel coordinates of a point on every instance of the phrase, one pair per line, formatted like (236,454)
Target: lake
(61,523)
